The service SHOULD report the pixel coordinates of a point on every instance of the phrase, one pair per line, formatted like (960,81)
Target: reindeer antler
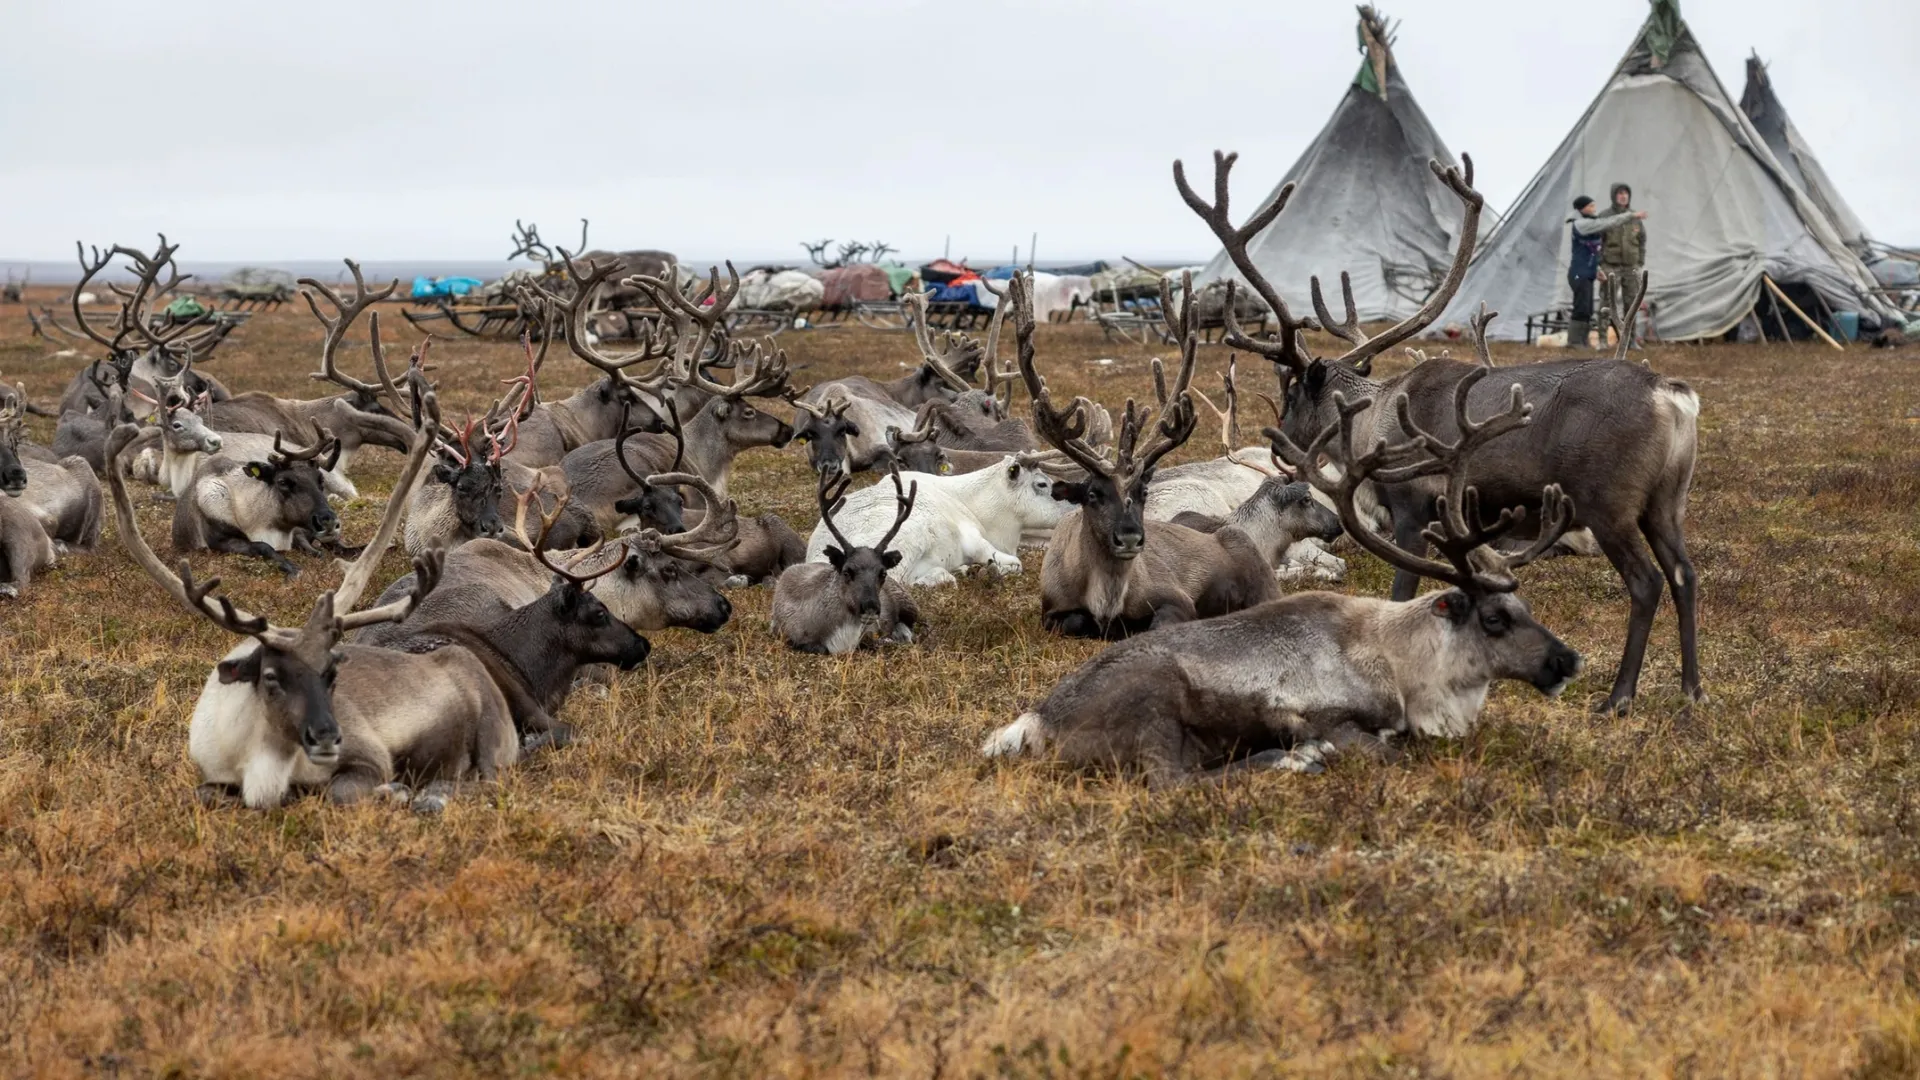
(1365,348)
(344,313)
(903,508)
(719,528)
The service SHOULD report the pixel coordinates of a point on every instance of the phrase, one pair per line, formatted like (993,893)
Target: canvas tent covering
(1365,200)
(1721,209)
(1776,129)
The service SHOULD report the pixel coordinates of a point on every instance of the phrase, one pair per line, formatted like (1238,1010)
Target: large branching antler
(345,311)
(1285,350)
(1065,429)
(717,532)
(1462,533)
(136,319)
(1365,348)
(950,351)
(646,368)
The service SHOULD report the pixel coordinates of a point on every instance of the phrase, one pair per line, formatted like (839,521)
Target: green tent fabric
(898,276)
(186,307)
(1663,29)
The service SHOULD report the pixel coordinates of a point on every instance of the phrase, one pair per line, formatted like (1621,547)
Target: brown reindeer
(835,607)
(1110,572)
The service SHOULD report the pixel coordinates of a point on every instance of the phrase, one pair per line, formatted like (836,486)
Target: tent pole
(1795,308)
(1780,317)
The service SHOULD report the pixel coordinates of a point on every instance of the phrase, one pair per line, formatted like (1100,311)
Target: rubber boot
(1577,333)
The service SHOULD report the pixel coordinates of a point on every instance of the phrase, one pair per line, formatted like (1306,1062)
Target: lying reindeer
(295,710)
(1279,514)
(258,508)
(835,607)
(25,547)
(1282,684)
(1109,571)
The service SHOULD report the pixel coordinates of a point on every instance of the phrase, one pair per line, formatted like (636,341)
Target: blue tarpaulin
(426,288)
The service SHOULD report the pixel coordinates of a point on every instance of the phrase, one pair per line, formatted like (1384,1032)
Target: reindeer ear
(241,669)
(890,559)
(1066,492)
(260,470)
(1452,606)
(835,556)
(853,430)
(722,409)
(1315,378)
(1365,367)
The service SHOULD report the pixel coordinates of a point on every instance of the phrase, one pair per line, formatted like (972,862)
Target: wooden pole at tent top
(1795,308)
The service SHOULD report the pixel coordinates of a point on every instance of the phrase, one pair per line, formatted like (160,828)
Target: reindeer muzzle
(1562,665)
(13,481)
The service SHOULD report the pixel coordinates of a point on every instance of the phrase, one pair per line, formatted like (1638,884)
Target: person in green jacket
(1623,256)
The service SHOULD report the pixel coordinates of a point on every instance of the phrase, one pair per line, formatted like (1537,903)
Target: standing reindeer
(1620,439)
(835,607)
(1283,684)
(1109,571)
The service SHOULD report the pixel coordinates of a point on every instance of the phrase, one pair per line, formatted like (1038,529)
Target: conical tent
(1722,211)
(1366,201)
(1776,128)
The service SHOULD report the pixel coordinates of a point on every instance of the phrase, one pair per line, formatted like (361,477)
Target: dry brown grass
(766,863)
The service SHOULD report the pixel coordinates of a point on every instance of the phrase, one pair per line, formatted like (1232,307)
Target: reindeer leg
(238,544)
(1669,543)
(1629,557)
(1076,623)
(354,782)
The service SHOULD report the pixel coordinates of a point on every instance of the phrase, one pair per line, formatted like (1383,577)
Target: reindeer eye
(748,412)
(1495,623)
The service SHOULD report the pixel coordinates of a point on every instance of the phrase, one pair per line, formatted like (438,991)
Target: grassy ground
(766,863)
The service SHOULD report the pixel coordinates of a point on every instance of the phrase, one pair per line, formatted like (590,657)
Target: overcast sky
(417,130)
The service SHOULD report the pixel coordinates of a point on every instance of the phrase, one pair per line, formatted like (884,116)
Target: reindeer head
(13,415)
(917,451)
(182,426)
(658,506)
(293,477)
(585,628)
(1309,385)
(862,570)
(826,431)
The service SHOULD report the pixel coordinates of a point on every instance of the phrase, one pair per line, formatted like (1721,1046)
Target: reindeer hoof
(9,592)
(430,804)
(1614,707)
(397,794)
(737,581)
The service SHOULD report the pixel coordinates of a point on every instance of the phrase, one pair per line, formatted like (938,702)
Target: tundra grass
(763,863)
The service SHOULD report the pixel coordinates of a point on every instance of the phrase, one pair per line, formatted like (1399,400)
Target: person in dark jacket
(1590,233)
(1622,256)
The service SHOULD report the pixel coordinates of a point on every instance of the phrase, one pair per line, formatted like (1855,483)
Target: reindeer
(15,292)
(259,507)
(61,495)
(1278,515)
(1619,439)
(25,547)
(835,607)
(712,421)
(532,649)
(1217,488)
(295,710)
(1108,571)
(140,342)
(1283,684)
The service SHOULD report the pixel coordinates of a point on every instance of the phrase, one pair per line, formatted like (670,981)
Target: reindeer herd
(547,536)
